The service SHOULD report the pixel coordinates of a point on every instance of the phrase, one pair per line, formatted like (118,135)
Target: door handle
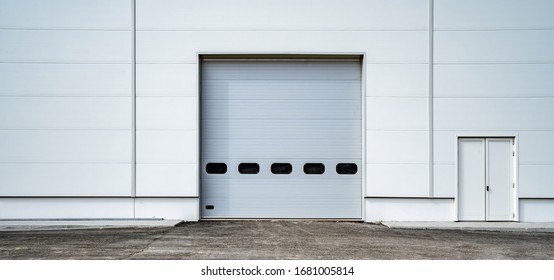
(487,188)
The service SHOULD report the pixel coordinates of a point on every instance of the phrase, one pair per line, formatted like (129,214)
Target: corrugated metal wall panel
(293,112)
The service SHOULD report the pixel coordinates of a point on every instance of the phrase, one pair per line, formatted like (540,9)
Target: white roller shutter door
(281,111)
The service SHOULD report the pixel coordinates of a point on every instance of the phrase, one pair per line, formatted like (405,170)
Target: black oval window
(347,168)
(249,168)
(314,168)
(281,168)
(216,168)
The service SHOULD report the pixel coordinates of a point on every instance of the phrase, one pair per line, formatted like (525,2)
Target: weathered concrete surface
(19,225)
(490,226)
(274,240)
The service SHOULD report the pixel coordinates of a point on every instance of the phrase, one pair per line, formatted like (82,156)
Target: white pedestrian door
(486,179)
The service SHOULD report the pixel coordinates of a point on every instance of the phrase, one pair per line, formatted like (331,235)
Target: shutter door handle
(487,188)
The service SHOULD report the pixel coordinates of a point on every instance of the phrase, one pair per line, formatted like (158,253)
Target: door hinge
(513,153)
(514,185)
(514,215)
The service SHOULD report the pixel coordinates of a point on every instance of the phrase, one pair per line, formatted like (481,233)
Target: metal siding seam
(363,98)
(133,107)
(431,152)
(199,169)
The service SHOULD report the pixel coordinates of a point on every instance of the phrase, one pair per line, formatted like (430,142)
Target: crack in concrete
(147,245)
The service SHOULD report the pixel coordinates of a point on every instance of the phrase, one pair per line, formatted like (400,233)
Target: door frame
(485,136)
(361,55)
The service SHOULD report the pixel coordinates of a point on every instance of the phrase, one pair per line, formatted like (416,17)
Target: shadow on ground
(274,240)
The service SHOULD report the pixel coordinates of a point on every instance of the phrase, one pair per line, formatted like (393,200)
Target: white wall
(171,34)
(493,76)
(536,210)
(65,102)
(66,93)
(408,209)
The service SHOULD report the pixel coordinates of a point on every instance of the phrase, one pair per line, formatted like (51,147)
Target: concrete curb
(474,226)
(34,225)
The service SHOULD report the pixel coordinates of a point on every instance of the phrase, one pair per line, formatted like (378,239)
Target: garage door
(281,138)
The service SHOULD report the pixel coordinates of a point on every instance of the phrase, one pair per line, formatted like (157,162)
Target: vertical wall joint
(133,105)
(431,42)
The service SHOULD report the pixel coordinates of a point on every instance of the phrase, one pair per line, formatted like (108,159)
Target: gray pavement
(19,225)
(486,226)
(274,240)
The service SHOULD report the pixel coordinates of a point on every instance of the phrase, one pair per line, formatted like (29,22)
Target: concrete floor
(489,226)
(26,225)
(274,240)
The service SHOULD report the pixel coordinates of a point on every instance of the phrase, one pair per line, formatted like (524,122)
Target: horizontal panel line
(314,139)
(278,79)
(90,196)
(491,63)
(64,96)
(539,164)
(368,62)
(63,29)
(313,123)
(275,159)
(409,197)
(168,63)
(406,163)
(338,159)
(266,164)
(280,119)
(166,196)
(166,129)
(291,180)
(492,97)
(486,130)
(390,163)
(84,163)
(168,96)
(407,130)
(165,96)
(398,96)
(153,162)
(65,129)
(286,30)
(296,174)
(281,99)
(531,197)
(189,62)
(65,62)
(64,162)
(167,163)
(285,58)
(496,29)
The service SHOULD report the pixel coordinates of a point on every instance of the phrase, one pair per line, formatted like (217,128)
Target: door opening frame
(515,199)
(362,56)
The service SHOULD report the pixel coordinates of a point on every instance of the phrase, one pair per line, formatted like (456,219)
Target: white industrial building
(365,110)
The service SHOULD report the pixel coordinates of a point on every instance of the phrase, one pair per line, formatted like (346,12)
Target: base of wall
(408,209)
(536,210)
(99,208)
(187,209)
